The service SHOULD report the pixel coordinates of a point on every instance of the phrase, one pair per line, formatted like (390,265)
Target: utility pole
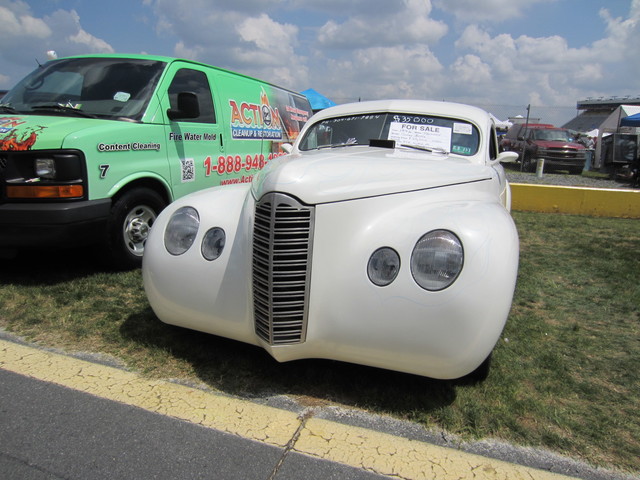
(526,126)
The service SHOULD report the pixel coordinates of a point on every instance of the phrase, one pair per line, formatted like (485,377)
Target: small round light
(436,260)
(181,230)
(383,266)
(213,243)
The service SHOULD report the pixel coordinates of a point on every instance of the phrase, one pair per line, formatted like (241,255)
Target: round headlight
(436,260)
(383,266)
(213,243)
(181,230)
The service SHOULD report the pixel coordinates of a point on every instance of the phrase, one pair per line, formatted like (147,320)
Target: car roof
(421,107)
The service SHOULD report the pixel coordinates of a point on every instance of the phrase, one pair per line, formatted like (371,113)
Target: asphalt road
(52,432)
(64,417)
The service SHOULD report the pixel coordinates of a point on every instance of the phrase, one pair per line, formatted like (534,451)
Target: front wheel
(132,216)
(528,165)
(480,374)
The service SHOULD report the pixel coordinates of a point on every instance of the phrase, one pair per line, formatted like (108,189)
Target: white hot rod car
(383,238)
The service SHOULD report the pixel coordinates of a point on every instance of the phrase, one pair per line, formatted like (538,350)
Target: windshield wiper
(6,108)
(348,143)
(336,145)
(426,149)
(63,108)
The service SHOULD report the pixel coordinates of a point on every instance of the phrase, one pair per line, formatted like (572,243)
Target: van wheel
(132,216)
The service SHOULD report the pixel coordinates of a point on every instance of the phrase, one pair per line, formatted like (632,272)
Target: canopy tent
(317,100)
(504,124)
(630,121)
(611,125)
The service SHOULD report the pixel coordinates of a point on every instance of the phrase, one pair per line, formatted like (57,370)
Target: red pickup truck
(538,141)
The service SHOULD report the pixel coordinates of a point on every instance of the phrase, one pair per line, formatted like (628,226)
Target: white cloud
(546,69)
(409,23)
(491,11)
(363,48)
(26,38)
(229,36)
(384,72)
(278,43)
(16,22)
(471,70)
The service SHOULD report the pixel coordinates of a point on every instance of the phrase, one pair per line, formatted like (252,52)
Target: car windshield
(112,88)
(422,132)
(552,135)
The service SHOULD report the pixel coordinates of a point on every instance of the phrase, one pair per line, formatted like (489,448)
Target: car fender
(444,334)
(189,291)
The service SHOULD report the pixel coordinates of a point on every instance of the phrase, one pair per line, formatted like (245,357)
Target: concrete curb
(305,433)
(598,202)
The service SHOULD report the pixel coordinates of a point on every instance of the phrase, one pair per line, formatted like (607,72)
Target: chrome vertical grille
(282,239)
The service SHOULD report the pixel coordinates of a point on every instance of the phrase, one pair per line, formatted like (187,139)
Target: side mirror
(287,147)
(188,107)
(504,157)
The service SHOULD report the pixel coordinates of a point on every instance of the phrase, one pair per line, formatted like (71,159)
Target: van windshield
(111,88)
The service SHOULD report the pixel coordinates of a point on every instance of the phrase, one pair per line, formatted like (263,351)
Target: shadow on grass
(31,267)
(249,371)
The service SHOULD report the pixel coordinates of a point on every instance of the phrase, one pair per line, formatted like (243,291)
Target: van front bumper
(53,224)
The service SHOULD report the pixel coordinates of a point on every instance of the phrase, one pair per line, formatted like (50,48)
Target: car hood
(348,173)
(557,144)
(31,132)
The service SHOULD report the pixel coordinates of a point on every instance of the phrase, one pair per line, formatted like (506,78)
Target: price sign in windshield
(429,136)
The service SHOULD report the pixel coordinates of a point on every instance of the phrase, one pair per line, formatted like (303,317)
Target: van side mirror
(188,107)
(287,147)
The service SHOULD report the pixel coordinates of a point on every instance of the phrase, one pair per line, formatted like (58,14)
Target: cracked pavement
(305,432)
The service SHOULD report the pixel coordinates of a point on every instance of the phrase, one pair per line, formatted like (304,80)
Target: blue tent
(631,121)
(317,100)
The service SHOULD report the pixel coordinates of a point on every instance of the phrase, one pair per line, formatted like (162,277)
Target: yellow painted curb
(597,202)
(373,451)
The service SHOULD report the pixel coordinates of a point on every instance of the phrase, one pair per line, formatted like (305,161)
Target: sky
(502,55)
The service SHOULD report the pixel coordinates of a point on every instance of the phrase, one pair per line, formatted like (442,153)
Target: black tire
(132,215)
(480,374)
(527,164)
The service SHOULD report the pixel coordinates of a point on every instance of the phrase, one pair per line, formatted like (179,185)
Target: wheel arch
(152,182)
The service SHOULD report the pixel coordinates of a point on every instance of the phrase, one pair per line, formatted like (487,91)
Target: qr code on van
(188,170)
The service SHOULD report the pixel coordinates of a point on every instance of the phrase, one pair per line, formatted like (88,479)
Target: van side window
(195,81)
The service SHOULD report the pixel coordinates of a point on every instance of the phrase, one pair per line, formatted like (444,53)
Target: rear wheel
(132,216)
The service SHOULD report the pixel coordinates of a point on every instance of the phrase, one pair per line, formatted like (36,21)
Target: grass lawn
(565,373)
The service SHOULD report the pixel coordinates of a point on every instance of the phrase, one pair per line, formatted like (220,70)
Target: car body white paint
(363,198)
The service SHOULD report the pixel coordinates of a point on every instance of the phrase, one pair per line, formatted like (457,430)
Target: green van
(92,148)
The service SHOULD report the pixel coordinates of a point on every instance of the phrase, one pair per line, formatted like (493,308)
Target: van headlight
(437,259)
(45,168)
(181,230)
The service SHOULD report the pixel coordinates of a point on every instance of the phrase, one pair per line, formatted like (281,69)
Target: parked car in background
(384,239)
(556,146)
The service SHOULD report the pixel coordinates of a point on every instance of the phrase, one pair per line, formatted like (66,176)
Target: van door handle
(221,143)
